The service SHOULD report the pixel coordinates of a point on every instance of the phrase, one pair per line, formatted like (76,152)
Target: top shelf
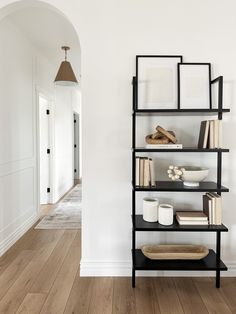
(180,112)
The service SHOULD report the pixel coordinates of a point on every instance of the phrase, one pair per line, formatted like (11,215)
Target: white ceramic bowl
(193,175)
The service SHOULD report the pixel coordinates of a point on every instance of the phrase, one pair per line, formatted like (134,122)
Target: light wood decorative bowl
(175,251)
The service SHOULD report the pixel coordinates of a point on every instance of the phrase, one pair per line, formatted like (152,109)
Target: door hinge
(75,145)
(48,190)
(75,170)
(47,111)
(48,151)
(74,121)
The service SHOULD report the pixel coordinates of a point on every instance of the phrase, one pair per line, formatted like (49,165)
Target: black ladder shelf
(212,262)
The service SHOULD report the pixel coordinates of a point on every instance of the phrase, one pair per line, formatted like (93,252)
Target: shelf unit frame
(213,261)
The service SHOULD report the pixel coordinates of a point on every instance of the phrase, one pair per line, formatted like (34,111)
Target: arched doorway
(33,33)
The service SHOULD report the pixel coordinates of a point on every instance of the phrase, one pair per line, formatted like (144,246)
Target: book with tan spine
(146,173)
(141,171)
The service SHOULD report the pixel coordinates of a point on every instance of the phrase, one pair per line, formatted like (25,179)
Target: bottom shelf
(210,262)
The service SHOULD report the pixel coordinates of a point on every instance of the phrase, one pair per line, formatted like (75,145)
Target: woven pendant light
(65,75)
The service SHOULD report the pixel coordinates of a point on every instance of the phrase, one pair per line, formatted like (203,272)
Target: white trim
(90,268)
(17,234)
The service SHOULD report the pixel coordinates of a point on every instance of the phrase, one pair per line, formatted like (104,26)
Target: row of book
(191,218)
(144,175)
(211,214)
(212,207)
(210,135)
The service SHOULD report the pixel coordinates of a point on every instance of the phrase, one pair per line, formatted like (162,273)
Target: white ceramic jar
(150,209)
(165,214)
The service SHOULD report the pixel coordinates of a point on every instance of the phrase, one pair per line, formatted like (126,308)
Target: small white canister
(150,209)
(165,214)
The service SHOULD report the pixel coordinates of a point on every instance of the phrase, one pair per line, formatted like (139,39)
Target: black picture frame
(138,102)
(208,88)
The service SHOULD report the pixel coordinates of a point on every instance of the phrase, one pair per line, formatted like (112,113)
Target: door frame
(45,94)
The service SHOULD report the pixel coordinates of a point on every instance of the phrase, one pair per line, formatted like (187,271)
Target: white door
(44,151)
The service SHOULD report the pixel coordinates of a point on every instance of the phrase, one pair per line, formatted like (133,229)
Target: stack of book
(212,207)
(210,135)
(144,172)
(191,218)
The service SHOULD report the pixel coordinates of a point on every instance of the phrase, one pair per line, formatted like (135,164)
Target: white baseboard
(123,269)
(6,243)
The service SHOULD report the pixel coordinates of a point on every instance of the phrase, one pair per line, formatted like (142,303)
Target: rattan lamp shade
(65,75)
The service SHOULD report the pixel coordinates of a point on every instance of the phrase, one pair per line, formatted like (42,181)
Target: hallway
(40,274)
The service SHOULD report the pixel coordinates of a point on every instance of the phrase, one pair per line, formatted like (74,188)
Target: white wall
(18,171)
(23,70)
(202,31)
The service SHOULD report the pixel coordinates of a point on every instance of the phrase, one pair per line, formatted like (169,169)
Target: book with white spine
(164,146)
(152,174)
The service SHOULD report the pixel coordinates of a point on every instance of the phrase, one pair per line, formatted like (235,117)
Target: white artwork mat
(157,83)
(194,86)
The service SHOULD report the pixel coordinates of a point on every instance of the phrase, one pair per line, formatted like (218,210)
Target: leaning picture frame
(157,81)
(194,86)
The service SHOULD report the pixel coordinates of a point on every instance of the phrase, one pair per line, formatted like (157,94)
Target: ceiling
(48,31)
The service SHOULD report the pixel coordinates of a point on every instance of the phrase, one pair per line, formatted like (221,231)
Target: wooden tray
(175,251)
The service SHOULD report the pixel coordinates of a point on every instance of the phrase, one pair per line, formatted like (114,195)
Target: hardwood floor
(40,274)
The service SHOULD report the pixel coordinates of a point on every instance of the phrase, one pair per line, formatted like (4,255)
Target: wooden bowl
(175,251)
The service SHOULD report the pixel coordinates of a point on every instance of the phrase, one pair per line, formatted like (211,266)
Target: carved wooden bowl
(175,251)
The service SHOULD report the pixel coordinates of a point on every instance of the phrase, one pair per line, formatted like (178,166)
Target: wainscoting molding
(6,243)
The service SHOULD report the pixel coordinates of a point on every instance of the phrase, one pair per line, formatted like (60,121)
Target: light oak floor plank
(102,294)
(49,271)
(123,297)
(228,292)
(23,243)
(165,291)
(145,298)
(13,271)
(189,297)
(80,295)
(32,303)
(17,292)
(211,296)
(59,293)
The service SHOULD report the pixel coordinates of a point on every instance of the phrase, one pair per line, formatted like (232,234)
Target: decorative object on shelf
(210,135)
(212,207)
(65,75)
(190,175)
(157,81)
(175,251)
(165,214)
(150,209)
(162,139)
(194,85)
(191,218)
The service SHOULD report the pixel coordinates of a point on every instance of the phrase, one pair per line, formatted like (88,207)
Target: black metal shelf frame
(212,261)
